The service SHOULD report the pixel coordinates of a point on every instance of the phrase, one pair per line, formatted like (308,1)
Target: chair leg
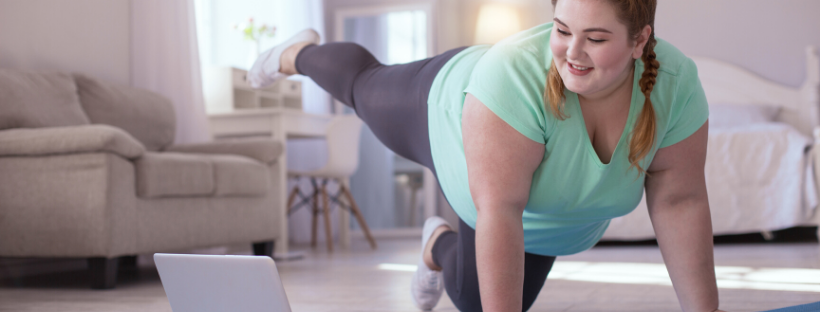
(315,216)
(263,248)
(103,272)
(291,198)
(326,208)
(344,216)
(355,209)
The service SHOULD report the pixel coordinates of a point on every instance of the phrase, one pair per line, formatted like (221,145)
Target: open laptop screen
(221,283)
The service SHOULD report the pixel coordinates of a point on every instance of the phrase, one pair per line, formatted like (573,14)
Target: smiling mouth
(579,70)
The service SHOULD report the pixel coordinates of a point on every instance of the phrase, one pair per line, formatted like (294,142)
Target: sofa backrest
(147,116)
(35,100)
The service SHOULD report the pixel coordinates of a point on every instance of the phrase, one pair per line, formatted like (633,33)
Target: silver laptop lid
(205,283)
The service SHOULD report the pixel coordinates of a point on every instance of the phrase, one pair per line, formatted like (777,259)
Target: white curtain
(165,59)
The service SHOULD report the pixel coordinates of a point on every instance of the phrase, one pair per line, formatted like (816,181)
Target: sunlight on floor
(733,277)
(397,267)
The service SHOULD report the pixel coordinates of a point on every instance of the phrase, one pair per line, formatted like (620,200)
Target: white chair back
(343,135)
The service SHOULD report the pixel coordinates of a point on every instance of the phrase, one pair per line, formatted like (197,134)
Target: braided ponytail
(643,135)
(554,93)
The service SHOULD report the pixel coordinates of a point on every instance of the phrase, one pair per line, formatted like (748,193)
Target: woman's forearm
(684,233)
(500,259)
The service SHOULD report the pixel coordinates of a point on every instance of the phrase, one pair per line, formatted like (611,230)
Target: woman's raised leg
(390,99)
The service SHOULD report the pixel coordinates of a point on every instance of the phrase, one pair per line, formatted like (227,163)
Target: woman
(537,142)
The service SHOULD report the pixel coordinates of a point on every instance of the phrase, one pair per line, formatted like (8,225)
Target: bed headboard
(725,83)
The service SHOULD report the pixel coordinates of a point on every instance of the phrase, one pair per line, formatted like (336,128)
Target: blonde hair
(635,14)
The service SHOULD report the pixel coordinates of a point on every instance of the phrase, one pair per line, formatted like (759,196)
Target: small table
(280,124)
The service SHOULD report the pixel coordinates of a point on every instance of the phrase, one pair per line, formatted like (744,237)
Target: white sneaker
(427,285)
(265,71)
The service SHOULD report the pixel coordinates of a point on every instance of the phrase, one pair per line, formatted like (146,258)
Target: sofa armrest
(263,150)
(69,140)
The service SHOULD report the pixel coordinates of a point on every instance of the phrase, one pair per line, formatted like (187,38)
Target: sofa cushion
(185,175)
(174,174)
(239,176)
(147,116)
(35,100)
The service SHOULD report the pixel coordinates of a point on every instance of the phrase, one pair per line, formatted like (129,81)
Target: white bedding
(758,177)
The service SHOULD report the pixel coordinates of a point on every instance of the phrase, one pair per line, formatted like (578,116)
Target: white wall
(86,36)
(767,37)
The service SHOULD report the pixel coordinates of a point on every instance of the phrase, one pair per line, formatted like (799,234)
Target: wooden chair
(342,139)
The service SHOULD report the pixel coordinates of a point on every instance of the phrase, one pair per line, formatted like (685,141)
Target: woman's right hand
(500,165)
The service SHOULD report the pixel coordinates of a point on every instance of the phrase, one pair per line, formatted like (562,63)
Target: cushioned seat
(170,174)
(239,176)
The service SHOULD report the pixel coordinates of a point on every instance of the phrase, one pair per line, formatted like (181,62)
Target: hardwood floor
(612,278)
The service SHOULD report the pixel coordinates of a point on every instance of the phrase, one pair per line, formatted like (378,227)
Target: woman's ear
(643,38)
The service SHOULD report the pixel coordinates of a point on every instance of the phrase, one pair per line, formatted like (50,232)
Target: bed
(761,164)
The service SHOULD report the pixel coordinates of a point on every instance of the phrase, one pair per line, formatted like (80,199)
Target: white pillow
(733,115)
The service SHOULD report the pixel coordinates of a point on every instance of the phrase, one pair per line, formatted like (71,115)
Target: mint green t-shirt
(573,194)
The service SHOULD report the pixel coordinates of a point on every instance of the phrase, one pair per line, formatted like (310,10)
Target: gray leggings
(392,101)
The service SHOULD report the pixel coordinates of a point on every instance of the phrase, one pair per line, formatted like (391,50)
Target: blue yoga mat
(810,307)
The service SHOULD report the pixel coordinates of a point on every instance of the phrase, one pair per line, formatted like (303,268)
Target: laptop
(212,283)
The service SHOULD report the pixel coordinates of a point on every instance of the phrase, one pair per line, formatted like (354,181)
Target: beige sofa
(88,169)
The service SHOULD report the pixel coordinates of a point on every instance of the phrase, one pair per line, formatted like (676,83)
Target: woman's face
(592,50)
